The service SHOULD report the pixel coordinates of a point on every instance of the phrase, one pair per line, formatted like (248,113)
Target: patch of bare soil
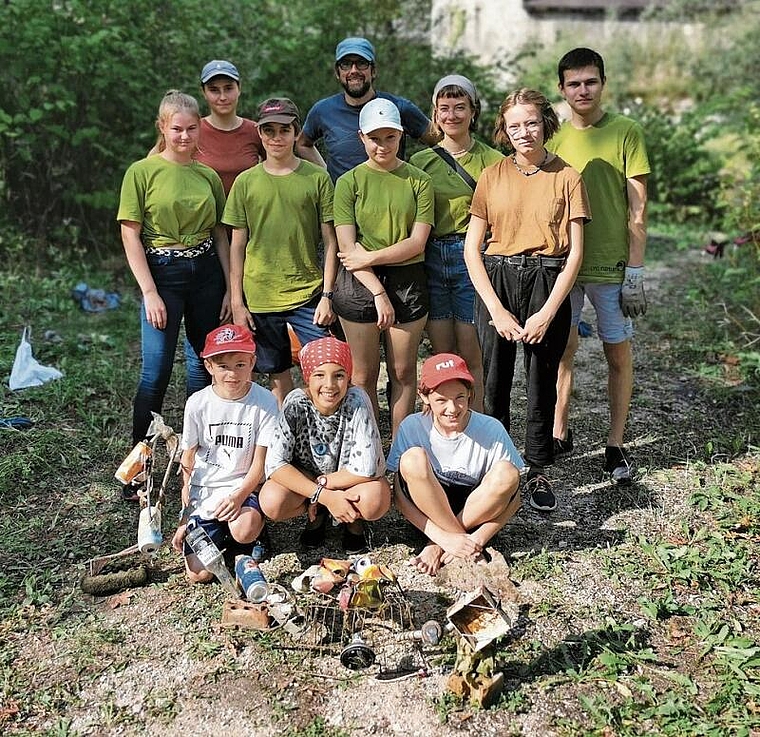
(158,662)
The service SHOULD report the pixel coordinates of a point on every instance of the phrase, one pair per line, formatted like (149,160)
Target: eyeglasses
(361,64)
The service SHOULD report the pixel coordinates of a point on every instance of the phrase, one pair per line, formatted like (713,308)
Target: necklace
(461,150)
(529,173)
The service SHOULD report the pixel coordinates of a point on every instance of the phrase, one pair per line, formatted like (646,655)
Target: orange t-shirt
(230,152)
(530,215)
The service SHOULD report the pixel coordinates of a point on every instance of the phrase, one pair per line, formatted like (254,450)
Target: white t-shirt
(462,460)
(317,444)
(226,432)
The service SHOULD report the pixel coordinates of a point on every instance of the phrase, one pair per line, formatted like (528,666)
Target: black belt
(450,238)
(191,252)
(548,262)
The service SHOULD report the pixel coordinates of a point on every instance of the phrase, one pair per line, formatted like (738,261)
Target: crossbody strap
(454,164)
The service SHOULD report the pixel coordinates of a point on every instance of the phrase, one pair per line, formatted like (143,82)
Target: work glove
(633,301)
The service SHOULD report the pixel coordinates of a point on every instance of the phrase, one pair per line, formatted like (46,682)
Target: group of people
(242,224)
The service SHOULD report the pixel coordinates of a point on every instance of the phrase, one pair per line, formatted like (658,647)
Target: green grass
(677,655)
(691,664)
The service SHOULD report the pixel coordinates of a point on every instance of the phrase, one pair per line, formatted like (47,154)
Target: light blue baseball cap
(379,113)
(219,68)
(355,45)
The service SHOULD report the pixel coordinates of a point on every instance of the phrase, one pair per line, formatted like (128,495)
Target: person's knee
(247,527)
(503,479)
(571,348)
(200,575)
(414,464)
(271,501)
(619,355)
(375,499)
(403,372)
(365,375)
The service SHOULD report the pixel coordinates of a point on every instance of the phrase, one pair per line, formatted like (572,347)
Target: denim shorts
(273,351)
(406,287)
(611,324)
(219,531)
(451,292)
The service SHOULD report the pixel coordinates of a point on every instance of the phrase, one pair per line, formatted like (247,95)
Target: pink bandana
(325,350)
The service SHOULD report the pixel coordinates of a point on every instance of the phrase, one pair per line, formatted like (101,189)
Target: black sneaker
(355,543)
(563,447)
(313,534)
(618,465)
(541,496)
(130,492)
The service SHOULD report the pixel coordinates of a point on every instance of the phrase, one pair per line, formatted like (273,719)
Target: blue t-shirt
(338,123)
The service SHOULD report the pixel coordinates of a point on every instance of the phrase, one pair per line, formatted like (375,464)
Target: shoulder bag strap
(454,164)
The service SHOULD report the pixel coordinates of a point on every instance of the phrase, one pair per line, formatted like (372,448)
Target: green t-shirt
(283,215)
(452,194)
(384,205)
(606,155)
(177,204)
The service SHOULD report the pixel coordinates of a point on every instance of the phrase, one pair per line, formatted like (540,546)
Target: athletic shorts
(611,324)
(219,531)
(273,351)
(406,287)
(455,493)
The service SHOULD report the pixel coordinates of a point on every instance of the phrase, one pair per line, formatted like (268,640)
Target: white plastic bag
(26,370)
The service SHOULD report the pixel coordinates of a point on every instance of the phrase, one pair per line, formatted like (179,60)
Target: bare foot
(458,544)
(429,559)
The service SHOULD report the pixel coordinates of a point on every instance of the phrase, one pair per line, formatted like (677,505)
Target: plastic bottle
(250,576)
(211,557)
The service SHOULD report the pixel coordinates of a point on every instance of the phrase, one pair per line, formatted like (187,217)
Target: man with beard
(336,118)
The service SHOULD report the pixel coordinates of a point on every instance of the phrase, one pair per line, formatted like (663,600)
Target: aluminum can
(251,579)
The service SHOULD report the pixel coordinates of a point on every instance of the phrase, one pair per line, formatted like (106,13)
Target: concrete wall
(494,31)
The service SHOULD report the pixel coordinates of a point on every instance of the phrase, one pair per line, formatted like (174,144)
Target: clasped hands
(534,330)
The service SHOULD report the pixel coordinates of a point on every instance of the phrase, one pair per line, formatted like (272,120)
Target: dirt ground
(156,661)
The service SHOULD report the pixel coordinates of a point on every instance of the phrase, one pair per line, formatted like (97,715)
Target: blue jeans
(451,292)
(523,290)
(192,288)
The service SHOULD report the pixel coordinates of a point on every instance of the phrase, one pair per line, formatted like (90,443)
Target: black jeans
(523,290)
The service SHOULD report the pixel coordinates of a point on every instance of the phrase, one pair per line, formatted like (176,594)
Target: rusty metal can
(134,464)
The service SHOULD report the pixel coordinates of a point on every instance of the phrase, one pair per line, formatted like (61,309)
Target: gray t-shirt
(317,444)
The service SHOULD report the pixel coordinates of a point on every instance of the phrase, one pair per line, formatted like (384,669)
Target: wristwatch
(327,295)
(321,484)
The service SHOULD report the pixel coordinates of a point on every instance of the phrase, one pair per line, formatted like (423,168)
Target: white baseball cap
(379,113)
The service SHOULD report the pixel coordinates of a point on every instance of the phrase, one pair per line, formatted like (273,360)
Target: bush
(83,79)
(685,178)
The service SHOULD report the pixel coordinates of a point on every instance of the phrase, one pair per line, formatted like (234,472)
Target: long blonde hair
(174,102)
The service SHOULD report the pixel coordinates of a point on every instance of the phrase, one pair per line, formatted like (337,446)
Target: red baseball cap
(443,367)
(228,339)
